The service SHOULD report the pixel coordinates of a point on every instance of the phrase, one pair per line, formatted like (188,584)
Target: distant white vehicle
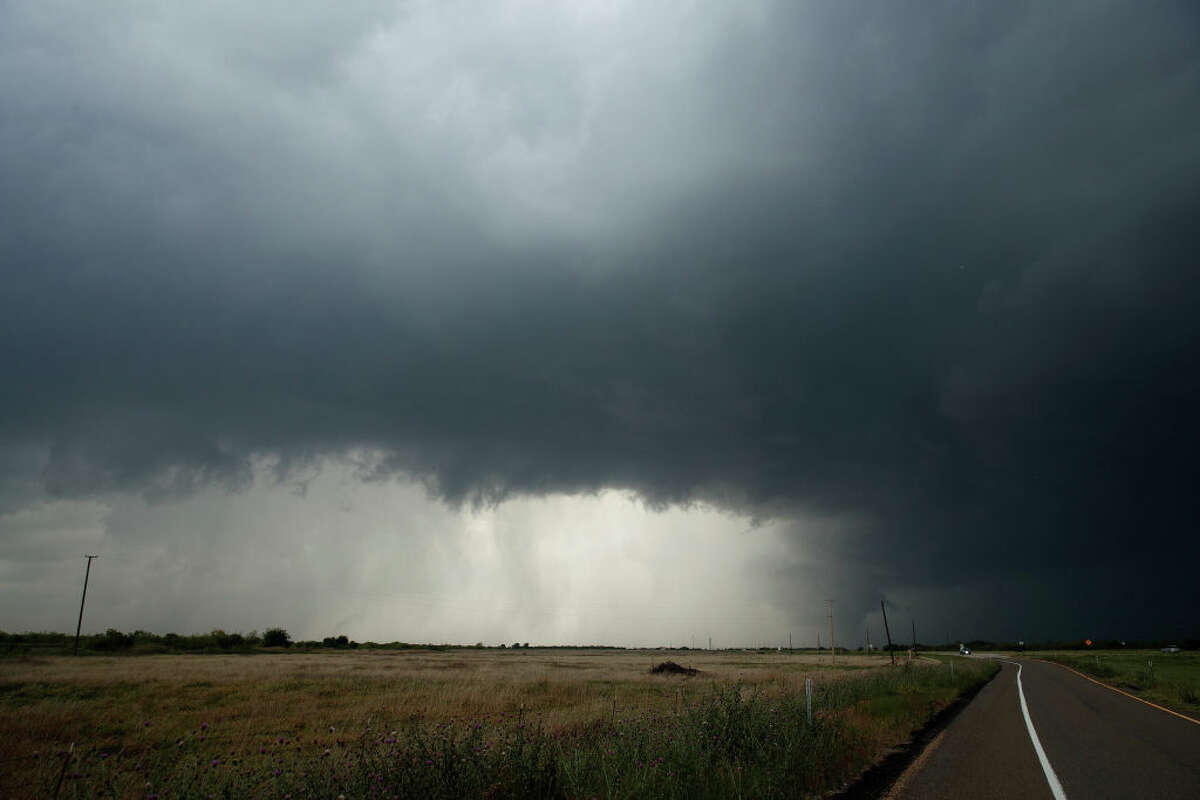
(963,650)
(1171,649)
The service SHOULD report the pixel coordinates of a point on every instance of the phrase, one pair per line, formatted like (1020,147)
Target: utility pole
(79,624)
(789,640)
(832,643)
(914,629)
(888,631)
(868,640)
(710,643)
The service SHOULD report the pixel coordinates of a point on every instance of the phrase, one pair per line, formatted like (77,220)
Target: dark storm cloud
(929,265)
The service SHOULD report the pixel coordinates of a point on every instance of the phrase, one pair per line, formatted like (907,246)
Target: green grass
(1169,679)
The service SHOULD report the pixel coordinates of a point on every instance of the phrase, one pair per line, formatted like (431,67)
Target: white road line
(1052,779)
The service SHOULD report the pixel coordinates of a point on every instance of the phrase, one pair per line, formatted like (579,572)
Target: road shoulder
(883,774)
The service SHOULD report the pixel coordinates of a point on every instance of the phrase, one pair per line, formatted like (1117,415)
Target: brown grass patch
(50,702)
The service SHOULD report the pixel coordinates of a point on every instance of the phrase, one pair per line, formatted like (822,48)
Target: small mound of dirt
(671,668)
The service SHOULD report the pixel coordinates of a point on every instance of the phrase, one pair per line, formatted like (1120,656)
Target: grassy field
(1169,679)
(549,723)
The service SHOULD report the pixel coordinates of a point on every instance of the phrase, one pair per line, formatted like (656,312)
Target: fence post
(808,699)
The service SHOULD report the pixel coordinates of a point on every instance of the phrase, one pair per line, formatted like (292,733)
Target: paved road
(1097,744)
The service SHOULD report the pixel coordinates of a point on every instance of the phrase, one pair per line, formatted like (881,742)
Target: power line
(888,631)
(832,642)
(86,574)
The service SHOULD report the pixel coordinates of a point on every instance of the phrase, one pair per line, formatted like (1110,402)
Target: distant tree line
(219,641)
(114,641)
(215,641)
(1186,643)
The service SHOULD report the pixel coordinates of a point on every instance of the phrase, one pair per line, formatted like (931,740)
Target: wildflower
(203,726)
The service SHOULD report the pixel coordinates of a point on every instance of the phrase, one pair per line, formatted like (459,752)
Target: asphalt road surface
(1095,744)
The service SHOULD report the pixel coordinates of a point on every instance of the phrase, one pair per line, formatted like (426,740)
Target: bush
(276,637)
(226,641)
(112,640)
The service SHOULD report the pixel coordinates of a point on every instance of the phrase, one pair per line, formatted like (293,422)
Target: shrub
(276,637)
(112,639)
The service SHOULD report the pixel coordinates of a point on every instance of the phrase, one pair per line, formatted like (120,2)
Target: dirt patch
(671,668)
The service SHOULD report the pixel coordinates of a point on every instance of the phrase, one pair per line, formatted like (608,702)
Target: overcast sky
(622,322)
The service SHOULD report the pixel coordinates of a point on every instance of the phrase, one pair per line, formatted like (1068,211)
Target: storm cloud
(924,269)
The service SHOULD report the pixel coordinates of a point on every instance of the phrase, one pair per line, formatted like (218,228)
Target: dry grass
(52,701)
(314,721)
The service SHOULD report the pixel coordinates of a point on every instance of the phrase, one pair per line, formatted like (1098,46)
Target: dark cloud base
(958,305)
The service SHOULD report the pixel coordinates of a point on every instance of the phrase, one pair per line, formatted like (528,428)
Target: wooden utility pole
(868,640)
(86,574)
(888,631)
(914,629)
(832,641)
(789,640)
